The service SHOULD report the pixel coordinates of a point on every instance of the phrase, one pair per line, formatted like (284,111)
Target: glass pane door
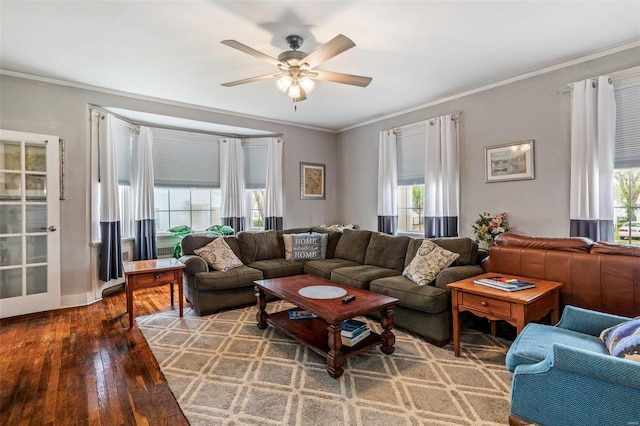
(29,260)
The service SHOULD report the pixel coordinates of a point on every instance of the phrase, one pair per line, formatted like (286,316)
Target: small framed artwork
(312,181)
(512,161)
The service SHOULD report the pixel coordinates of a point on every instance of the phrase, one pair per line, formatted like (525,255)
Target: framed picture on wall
(512,161)
(312,181)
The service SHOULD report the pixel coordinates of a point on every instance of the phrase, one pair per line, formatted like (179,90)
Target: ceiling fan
(297,67)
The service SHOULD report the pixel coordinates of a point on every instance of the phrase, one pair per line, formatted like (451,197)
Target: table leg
(261,315)
(456,323)
(129,293)
(494,330)
(180,293)
(555,312)
(388,338)
(335,359)
(171,290)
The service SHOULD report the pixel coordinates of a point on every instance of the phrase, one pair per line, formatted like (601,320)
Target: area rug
(223,370)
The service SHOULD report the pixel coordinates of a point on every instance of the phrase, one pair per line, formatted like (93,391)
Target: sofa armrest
(456,273)
(194,264)
(586,321)
(576,387)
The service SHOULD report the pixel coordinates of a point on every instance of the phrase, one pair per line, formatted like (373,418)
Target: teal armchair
(564,375)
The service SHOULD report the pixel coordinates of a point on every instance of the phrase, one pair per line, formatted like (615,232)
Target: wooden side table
(518,308)
(151,273)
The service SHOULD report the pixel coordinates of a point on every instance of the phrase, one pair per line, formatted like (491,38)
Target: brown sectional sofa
(598,276)
(360,258)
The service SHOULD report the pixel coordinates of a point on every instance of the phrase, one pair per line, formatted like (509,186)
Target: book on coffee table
(299,315)
(352,327)
(350,341)
(505,284)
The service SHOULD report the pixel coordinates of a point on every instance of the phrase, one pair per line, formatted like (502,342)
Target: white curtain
(110,228)
(145,245)
(387,183)
(593,123)
(442,187)
(232,185)
(274,205)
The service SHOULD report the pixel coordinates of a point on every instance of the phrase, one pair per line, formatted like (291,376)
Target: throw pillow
(307,246)
(623,340)
(219,255)
(428,262)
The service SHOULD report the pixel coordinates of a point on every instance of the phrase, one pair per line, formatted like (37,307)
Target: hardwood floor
(85,366)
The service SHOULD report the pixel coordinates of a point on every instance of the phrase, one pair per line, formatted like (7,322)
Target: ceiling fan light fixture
(294,91)
(284,82)
(307,84)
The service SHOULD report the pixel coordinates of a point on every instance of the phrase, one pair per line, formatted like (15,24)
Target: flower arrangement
(487,228)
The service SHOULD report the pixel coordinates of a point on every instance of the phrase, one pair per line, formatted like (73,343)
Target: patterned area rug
(223,370)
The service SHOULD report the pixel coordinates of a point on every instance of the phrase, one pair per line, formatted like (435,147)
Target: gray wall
(519,111)
(38,107)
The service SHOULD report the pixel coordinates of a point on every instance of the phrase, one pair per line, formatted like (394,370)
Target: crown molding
(609,51)
(156,100)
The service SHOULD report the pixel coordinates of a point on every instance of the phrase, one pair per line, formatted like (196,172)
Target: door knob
(52,228)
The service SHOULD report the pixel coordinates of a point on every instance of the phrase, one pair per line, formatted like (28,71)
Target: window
(186,179)
(255,176)
(255,201)
(198,208)
(626,180)
(411,208)
(411,146)
(186,169)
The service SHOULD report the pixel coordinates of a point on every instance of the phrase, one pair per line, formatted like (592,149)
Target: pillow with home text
(307,246)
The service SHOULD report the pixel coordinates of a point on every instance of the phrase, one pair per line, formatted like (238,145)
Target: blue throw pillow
(305,247)
(623,340)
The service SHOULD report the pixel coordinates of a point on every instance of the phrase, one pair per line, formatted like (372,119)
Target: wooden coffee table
(518,308)
(322,334)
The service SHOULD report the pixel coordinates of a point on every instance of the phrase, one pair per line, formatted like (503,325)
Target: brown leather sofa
(597,275)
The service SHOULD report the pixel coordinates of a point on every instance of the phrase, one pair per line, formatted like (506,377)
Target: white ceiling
(416,51)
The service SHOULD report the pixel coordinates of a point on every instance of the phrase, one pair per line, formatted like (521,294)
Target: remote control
(348,299)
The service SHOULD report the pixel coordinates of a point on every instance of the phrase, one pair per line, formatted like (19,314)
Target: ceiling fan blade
(302,97)
(338,77)
(251,51)
(332,48)
(250,80)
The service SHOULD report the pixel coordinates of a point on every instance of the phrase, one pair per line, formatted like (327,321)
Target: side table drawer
(486,304)
(156,278)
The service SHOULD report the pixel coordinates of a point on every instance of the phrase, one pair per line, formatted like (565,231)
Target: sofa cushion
(334,237)
(279,267)
(361,275)
(259,246)
(535,342)
(219,255)
(242,276)
(465,247)
(623,340)
(428,262)
(421,298)
(191,242)
(307,246)
(387,251)
(353,245)
(323,268)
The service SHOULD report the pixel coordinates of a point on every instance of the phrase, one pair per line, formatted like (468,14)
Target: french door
(29,222)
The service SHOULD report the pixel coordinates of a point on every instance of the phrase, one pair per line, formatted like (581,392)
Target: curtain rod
(454,116)
(184,129)
(614,77)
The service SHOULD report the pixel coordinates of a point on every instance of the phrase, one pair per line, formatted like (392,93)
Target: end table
(151,273)
(518,308)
